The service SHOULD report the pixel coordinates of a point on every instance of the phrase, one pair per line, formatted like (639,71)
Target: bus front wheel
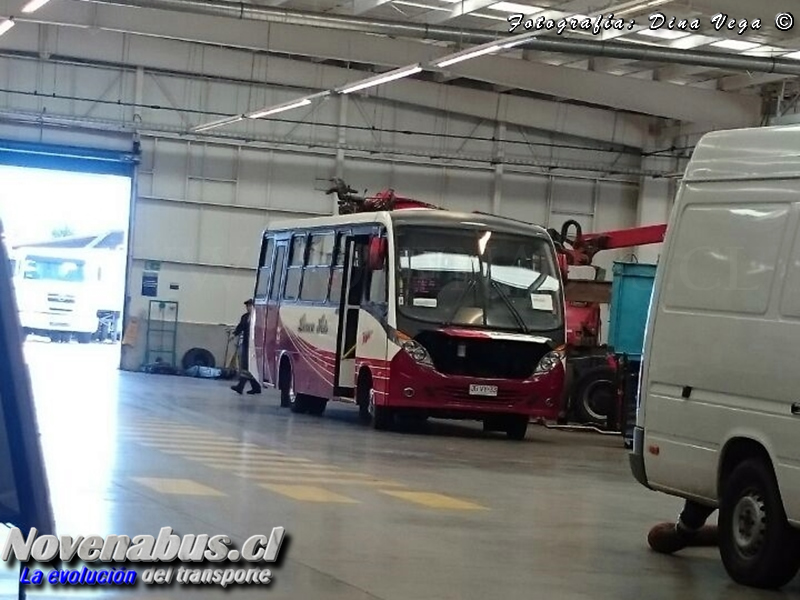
(517,427)
(380,417)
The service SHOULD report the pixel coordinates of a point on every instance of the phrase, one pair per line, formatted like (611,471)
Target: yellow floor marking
(225,453)
(304,469)
(172,435)
(231,460)
(433,500)
(309,493)
(178,486)
(200,444)
(323,480)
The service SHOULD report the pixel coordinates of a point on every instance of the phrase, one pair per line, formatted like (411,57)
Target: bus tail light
(550,361)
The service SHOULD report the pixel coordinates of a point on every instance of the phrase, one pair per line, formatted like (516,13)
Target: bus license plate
(483,390)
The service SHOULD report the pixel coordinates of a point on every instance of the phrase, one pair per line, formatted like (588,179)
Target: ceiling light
(665,34)
(217,123)
(278,109)
(34,5)
(485,16)
(513,7)
(625,9)
(6,25)
(467,55)
(792,55)
(692,41)
(735,45)
(765,51)
(418,5)
(385,78)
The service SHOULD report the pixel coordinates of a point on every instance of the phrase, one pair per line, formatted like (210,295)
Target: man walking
(243,331)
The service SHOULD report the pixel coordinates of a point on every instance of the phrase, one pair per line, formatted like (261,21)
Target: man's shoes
(667,539)
(237,389)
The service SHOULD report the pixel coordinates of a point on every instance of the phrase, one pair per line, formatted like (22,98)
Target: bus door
(352,289)
(260,299)
(272,305)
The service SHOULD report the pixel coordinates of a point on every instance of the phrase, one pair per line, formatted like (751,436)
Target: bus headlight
(549,361)
(418,352)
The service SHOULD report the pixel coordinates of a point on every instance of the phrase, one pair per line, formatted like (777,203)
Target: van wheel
(757,545)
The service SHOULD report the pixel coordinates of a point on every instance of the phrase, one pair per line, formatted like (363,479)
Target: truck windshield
(53,269)
(478,278)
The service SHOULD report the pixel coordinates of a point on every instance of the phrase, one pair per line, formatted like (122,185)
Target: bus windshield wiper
(460,301)
(507,301)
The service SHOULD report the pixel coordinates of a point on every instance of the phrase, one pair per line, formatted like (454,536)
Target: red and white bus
(415,312)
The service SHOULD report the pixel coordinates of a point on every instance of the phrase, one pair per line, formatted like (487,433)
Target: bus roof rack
(351,202)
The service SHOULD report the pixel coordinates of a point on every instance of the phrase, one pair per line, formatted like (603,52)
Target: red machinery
(591,369)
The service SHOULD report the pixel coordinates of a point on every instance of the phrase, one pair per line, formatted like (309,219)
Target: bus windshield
(53,269)
(478,278)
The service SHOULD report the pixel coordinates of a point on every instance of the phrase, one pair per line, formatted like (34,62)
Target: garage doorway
(66,215)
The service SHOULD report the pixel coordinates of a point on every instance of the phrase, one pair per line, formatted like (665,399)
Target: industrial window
(318,267)
(295,272)
(262,284)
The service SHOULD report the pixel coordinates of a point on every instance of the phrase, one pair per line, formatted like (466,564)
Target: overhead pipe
(607,49)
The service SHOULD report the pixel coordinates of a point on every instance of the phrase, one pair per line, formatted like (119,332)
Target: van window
(724,257)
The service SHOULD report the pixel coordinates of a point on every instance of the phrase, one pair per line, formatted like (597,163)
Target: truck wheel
(594,395)
(517,428)
(757,545)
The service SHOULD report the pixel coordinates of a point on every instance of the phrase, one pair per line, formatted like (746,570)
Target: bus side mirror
(377,253)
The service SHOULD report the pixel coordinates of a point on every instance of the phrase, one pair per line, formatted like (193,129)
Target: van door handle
(796,409)
(686,392)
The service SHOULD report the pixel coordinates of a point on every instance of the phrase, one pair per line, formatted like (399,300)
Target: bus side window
(262,283)
(337,273)
(277,274)
(317,269)
(295,273)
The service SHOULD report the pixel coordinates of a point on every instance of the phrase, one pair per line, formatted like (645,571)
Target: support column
(653,208)
(340,142)
(497,158)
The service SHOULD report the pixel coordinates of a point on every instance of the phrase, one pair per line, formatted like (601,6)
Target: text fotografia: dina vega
(598,24)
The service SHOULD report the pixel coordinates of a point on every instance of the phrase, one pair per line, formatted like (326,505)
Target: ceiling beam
(464,7)
(208,61)
(639,96)
(735,83)
(363,6)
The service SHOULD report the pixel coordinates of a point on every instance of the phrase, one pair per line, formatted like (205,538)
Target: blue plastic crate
(631,289)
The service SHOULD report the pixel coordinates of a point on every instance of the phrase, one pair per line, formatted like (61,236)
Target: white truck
(718,419)
(69,292)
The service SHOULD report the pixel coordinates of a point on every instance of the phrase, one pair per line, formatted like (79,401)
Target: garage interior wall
(202,203)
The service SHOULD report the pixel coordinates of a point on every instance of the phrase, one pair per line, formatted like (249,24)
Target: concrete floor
(439,512)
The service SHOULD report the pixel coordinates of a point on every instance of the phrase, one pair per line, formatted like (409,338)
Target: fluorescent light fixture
(692,41)
(735,45)
(514,8)
(765,51)
(418,5)
(457,58)
(664,34)
(384,78)
(6,25)
(485,16)
(34,5)
(792,55)
(279,109)
(627,8)
(218,123)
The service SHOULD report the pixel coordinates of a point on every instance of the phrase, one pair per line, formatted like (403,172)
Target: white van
(718,420)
